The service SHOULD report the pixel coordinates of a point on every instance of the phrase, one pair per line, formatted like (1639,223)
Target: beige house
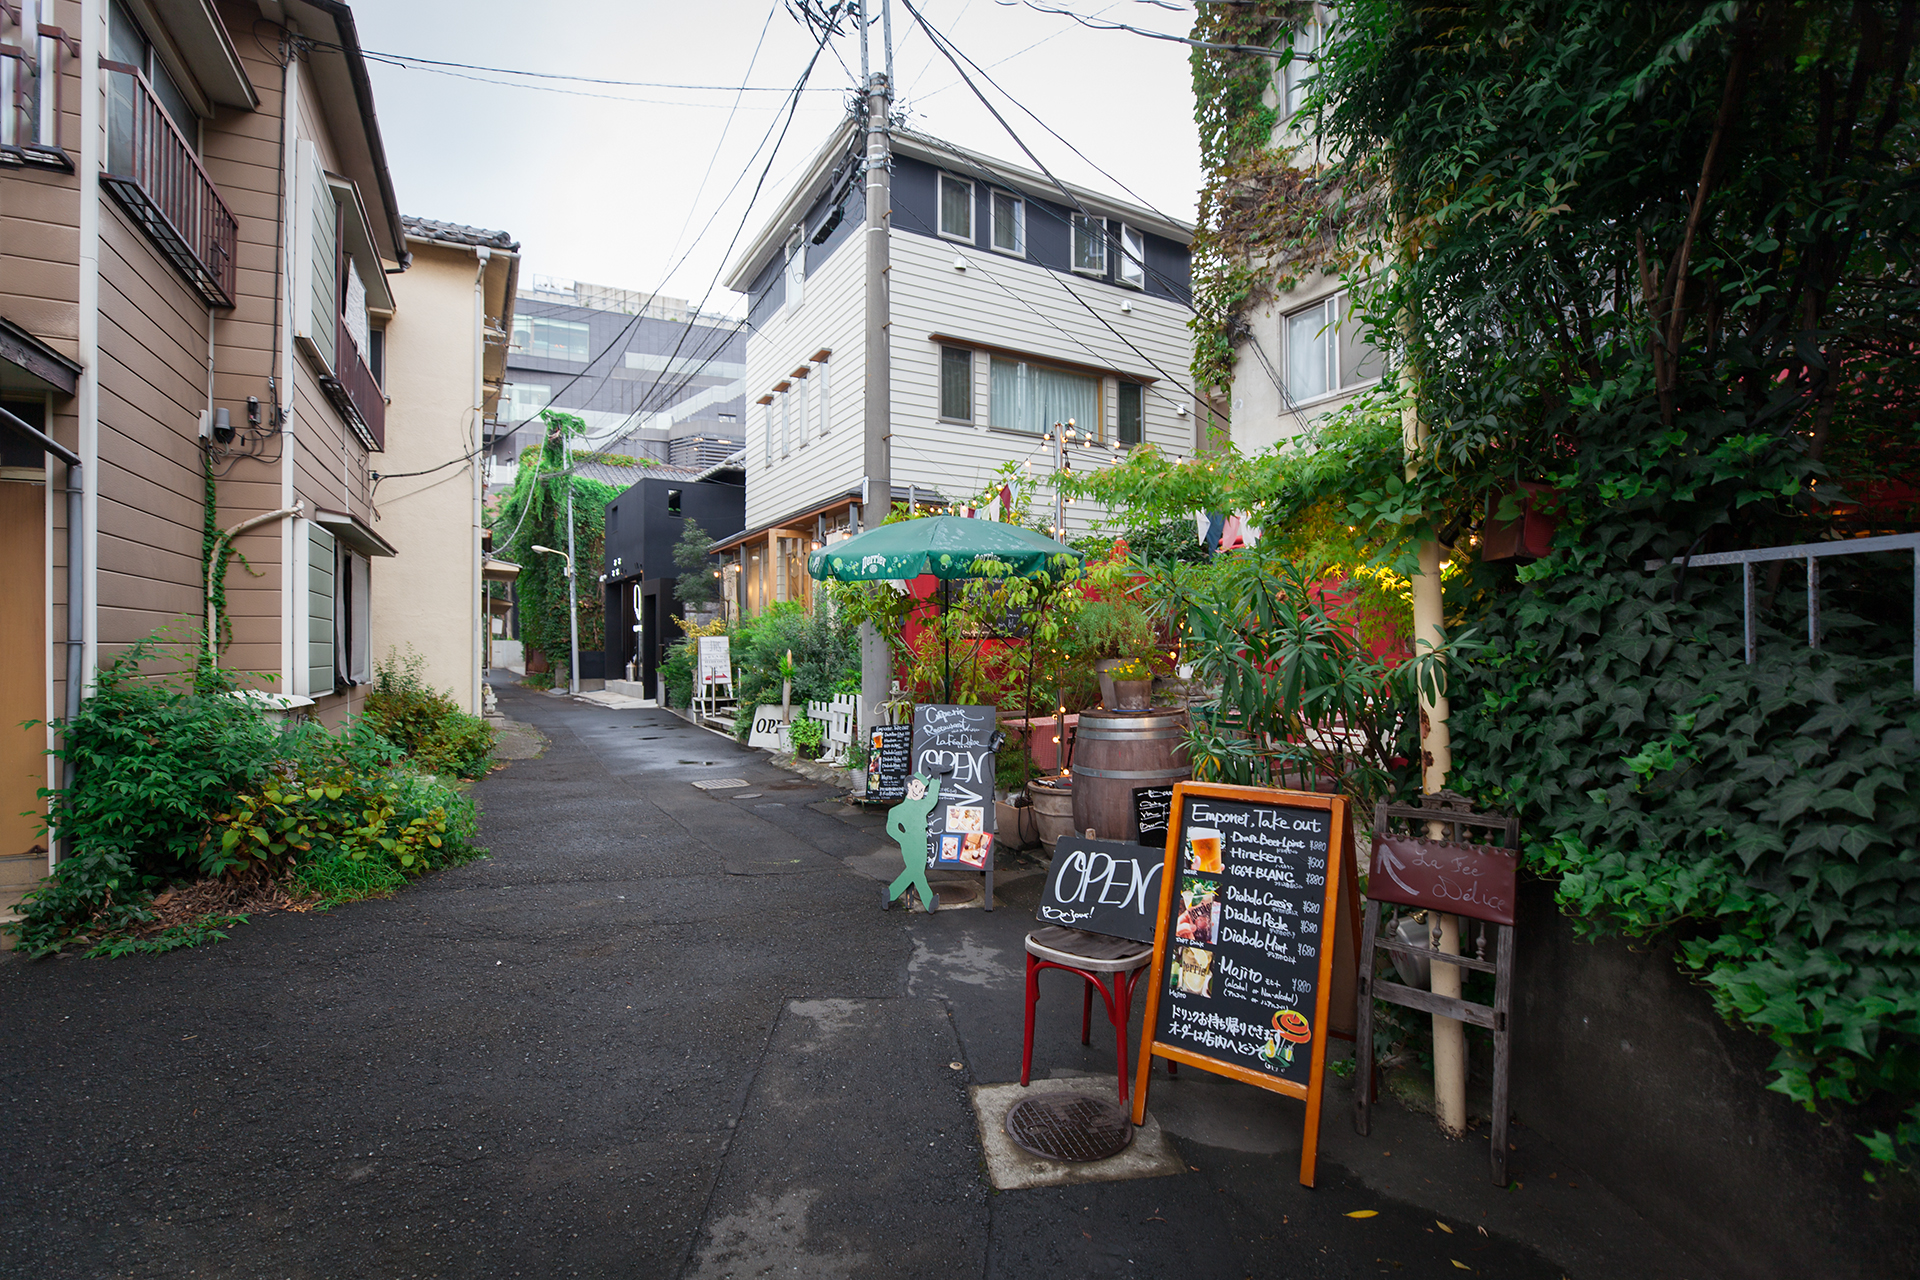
(446,359)
(197,235)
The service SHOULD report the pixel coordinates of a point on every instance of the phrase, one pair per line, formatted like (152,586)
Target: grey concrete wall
(1621,1062)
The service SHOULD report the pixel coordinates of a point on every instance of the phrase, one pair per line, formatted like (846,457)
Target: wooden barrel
(1116,751)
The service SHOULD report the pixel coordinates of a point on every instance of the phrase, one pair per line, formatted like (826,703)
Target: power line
(404,59)
(1095,24)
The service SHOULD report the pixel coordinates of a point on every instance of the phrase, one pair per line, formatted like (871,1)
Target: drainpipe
(93,17)
(480,616)
(213,563)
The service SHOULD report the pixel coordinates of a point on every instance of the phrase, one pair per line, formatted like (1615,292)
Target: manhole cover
(720,784)
(1069,1126)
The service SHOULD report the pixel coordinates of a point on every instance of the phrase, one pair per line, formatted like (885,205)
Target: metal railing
(1812,553)
(355,391)
(156,177)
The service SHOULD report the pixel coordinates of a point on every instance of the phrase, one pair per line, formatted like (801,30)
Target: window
(673,502)
(1325,352)
(1009,223)
(127,43)
(1132,267)
(803,413)
(826,399)
(786,418)
(1300,68)
(547,338)
(352,629)
(1089,245)
(29,77)
(1032,397)
(1131,397)
(956,208)
(377,354)
(766,407)
(956,384)
(796,267)
(523,401)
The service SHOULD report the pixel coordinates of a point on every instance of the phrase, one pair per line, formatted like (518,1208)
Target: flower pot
(1528,537)
(1052,809)
(1016,825)
(1131,695)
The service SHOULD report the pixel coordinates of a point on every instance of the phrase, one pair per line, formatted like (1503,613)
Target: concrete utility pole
(876,663)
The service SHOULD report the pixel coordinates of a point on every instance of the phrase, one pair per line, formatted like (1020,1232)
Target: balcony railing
(355,392)
(156,177)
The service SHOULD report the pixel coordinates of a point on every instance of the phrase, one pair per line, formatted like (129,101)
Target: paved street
(665,1032)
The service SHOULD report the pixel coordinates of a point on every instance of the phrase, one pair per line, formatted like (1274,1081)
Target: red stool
(1094,957)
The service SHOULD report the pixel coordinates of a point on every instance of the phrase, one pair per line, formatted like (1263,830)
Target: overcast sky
(629,186)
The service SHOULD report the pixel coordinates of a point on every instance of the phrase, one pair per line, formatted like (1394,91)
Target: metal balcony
(155,176)
(355,392)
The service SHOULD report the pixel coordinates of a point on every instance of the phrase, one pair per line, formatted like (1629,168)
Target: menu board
(1243,949)
(956,745)
(1152,807)
(889,762)
(1103,886)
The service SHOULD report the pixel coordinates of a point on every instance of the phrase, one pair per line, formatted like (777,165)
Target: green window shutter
(317,296)
(320,598)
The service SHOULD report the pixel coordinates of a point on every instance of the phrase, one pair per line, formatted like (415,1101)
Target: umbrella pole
(946,637)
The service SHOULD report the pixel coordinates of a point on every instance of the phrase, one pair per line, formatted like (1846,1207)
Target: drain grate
(1069,1126)
(720,784)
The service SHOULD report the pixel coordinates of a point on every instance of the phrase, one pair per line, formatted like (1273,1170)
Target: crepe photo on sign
(1199,918)
(1203,851)
(1191,972)
(975,848)
(945,849)
(965,817)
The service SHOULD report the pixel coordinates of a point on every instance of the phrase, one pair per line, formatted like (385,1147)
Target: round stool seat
(1077,949)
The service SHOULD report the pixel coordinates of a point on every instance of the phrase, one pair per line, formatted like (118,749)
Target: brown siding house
(197,230)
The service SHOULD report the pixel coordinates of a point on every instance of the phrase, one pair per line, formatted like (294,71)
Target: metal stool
(1094,957)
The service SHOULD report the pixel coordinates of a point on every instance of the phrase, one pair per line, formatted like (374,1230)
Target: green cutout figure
(907,824)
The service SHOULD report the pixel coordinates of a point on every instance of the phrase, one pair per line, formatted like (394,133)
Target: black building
(643,524)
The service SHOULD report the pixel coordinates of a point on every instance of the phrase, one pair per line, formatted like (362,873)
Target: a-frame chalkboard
(1244,950)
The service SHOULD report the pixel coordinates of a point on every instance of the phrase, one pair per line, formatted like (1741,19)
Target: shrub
(808,737)
(825,653)
(427,725)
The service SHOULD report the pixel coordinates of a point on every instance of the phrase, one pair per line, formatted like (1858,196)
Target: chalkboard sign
(889,762)
(1151,807)
(1474,880)
(1243,952)
(1103,886)
(955,745)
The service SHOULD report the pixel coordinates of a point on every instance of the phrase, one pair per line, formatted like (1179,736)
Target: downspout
(213,569)
(85,600)
(480,616)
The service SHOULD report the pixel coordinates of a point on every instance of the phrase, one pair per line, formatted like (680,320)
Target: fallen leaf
(1483,1231)
(1364,1213)
(1443,1226)
(1456,1262)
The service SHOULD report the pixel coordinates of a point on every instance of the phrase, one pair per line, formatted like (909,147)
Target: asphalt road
(659,1032)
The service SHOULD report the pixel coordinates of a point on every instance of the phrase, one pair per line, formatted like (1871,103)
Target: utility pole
(876,663)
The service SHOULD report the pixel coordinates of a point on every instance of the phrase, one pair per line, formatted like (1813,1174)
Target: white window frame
(1303,66)
(796,268)
(1334,309)
(1094,228)
(826,400)
(940,387)
(940,207)
(767,422)
(805,411)
(1019,248)
(786,423)
(1131,269)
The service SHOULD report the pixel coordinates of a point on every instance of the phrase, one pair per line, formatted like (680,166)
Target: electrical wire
(1096,24)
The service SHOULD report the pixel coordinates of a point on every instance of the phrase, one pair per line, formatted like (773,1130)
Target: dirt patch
(185,903)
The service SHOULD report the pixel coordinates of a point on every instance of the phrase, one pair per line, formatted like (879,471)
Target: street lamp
(573,617)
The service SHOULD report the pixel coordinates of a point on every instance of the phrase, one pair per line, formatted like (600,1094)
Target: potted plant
(808,737)
(1126,684)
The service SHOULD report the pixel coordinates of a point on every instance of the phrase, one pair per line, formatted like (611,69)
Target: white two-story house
(1015,306)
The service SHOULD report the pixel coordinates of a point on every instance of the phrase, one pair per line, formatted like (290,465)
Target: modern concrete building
(1015,306)
(650,377)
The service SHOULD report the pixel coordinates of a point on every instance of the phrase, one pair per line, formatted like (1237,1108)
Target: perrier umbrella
(947,547)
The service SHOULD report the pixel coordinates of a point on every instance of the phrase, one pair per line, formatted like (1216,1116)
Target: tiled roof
(456,233)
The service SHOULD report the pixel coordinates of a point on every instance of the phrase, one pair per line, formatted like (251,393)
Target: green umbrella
(947,547)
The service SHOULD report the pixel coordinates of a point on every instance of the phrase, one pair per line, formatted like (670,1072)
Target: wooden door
(23,682)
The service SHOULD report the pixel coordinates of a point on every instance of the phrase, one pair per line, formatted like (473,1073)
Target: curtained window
(1032,397)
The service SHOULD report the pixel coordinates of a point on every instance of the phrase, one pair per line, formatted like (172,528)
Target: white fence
(840,716)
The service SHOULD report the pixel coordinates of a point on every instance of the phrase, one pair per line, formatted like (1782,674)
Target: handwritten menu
(956,745)
(1152,808)
(1245,938)
(889,762)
